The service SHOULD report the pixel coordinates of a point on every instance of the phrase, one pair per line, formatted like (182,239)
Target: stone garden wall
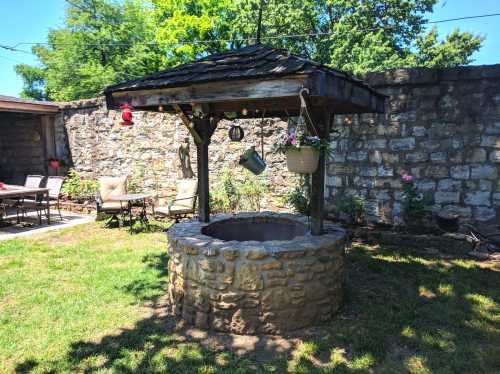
(91,138)
(441,126)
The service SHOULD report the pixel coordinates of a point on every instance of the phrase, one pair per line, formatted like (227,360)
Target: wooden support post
(322,122)
(205,128)
(186,122)
(48,141)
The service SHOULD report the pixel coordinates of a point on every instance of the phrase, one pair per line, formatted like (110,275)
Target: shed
(27,137)
(246,83)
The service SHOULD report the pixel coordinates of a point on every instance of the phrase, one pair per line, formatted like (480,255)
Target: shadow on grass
(405,311)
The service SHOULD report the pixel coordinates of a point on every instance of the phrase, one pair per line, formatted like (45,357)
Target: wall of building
(21,147)
(441,126)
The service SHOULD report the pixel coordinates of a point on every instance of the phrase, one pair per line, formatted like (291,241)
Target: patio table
(10,191)
(131,200)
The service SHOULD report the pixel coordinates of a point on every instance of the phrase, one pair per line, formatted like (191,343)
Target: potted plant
(302,152)
(54,163)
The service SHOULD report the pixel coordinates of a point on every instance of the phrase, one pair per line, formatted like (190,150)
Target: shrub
(350,207)
(78,188)
(299,199)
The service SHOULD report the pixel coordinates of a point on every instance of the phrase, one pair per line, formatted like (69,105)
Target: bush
(350,207)
(78,188)
(232,195)
(299,199)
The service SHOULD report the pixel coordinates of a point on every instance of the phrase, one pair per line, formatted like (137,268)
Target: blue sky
(30,20)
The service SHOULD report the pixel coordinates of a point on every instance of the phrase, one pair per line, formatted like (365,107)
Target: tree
(352,35)
(104,42)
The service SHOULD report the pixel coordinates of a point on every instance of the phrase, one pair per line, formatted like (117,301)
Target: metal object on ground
(252,161)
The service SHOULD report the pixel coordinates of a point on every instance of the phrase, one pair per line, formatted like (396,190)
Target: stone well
(255,272)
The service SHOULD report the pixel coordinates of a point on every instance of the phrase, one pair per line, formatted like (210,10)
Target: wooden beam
(205,127)
(22,107)
(185,120)
(213,92)
(323,120)
(49,139)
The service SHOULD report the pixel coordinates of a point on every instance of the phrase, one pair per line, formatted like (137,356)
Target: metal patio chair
(108,187)
(183,203)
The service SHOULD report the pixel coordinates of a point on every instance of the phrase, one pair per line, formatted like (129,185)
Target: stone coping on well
(189,233)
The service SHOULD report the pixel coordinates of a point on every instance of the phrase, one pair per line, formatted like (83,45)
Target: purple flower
(406,178)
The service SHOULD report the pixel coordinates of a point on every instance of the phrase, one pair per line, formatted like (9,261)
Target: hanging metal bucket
(252,161)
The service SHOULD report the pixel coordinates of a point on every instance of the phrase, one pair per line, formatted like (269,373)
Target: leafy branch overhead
(104,42)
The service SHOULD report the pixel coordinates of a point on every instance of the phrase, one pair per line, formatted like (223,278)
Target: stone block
(375,157)
(460,172)
(478,198)
(495,156)
(430,145)
(257,254)
(249,277)
(385,171)
(367,171)
(482,213)
(493,129)
(436,171)
(490,141)
(485,185)
(419,131)
(446,197)
(376,144)
(476,155)
(357,156)
(390,158)
(208,265)
(272,265)
(483,172)
(449,184)
(417,157)
(334,181)
(426,185)
(402,144)
(463,212)
(439,156)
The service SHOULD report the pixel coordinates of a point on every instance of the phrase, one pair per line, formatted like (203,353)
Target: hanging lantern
(126,115)
(236,133)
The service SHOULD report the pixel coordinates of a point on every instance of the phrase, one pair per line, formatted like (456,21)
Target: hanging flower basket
(302,160)
(302,152)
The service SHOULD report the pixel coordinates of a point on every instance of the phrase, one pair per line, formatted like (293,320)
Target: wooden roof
(18,105)
(238,70)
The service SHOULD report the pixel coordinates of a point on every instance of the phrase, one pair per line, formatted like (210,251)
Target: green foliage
(232,194)
(350,206)
(414,203)
(299,199)
(78,188)
(104,42)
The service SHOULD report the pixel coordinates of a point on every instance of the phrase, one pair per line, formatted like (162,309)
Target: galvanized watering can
(252,161)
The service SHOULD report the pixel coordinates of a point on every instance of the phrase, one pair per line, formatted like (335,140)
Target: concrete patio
(9,229)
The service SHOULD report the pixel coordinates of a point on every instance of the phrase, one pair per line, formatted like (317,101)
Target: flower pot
(303,160)
(55,164)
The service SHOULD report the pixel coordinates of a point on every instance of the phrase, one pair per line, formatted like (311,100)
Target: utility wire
(15,48)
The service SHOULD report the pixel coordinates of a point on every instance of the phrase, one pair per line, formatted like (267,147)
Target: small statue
(184,166)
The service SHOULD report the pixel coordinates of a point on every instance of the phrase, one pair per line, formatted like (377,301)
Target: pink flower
(406,178)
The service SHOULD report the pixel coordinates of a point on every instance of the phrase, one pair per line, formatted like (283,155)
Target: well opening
(258,229)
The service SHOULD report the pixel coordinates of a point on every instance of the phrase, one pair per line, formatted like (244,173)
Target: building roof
(16,104)
(254,61)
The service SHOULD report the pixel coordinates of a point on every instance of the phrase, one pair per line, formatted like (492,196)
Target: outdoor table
(131,200)
(10,191)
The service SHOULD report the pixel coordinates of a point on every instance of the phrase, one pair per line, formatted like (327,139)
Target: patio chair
(31,181)
(109,187)
(54,184)
(184,202)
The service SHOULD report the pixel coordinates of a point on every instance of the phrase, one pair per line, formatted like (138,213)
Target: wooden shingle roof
(255,61)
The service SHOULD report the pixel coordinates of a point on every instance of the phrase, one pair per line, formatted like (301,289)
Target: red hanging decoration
(126,115)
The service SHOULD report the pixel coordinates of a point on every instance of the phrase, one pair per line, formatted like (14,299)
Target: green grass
(90,299)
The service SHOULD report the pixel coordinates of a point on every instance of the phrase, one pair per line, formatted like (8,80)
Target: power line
(15,48)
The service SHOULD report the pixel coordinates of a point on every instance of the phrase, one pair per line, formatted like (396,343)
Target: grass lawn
(89,299)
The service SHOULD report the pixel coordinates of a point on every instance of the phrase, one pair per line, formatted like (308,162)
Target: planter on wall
(303,160)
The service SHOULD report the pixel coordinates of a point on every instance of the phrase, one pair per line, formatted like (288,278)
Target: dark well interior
(259,229)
